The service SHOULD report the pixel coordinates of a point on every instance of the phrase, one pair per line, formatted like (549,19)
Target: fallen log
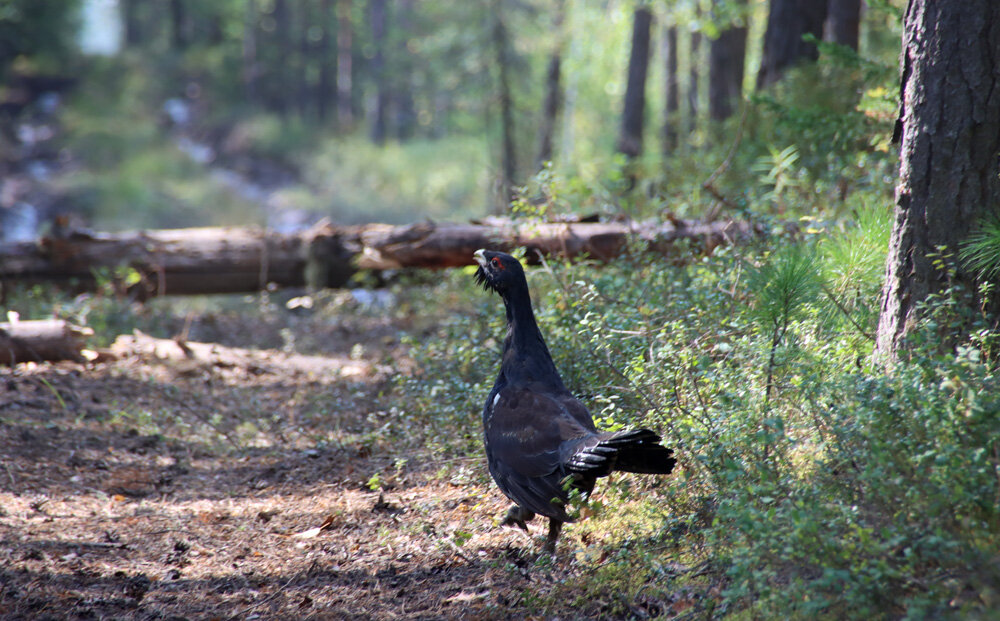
(451,245)
(234,260)
(41,340)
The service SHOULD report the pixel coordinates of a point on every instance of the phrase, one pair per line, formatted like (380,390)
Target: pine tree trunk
(250,68)
(283,36)
(843,22)
(345,61)
(553,92)
(178,24)
(694,63)
(325,93)
(671,85)
(303,21)
(131,22)
(726,58)
(787,22)
(633,113)
(404,109)
(950,131)
(378,20)
(508,158)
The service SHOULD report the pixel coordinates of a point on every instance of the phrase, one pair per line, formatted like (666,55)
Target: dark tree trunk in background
(345,69)
(633,113)
(404,114)
(131,22)
(787,22)
(692,93)
(843,22)
(726,59)
(303,21)
(178,25)
(377,18)
(325,91)
(671,95)
(283,36)
(950,131)
(553,93)
(508,156)
(250,68)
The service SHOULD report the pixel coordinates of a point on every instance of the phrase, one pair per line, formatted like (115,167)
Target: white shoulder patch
(496,400)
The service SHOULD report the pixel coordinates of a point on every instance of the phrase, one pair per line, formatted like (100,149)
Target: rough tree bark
(633,113)
(950,143)
(726,59)
(787,22)
(671,95)
(843,22)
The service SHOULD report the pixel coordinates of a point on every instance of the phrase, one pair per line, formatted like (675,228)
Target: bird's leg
(517,516)
(550,543)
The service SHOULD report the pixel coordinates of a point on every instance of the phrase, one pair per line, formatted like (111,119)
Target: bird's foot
(555,527)
(517,516)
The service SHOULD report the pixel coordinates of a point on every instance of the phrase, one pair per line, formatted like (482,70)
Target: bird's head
(498,271)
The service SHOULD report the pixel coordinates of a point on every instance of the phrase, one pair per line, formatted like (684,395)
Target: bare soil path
(241,487)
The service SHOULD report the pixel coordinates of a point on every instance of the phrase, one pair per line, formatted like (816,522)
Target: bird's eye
(495,261)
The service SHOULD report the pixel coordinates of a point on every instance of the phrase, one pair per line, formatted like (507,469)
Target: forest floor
(240,485)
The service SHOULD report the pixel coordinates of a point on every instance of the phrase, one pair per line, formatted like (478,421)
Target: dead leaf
(314,532)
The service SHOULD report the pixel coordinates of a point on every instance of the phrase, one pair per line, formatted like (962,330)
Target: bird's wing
(527,434)
(527,428)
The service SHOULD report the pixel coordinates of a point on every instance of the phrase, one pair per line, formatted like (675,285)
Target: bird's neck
(526,357)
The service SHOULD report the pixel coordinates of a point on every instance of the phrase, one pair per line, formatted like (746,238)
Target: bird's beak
(480,257)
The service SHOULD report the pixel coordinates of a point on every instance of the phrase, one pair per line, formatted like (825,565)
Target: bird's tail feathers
(634,450)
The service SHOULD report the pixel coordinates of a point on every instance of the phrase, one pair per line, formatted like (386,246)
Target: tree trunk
(178,25)
(843,22)
(671,95)
(325,93)
(787,22)
(345,71)
(283,36)
(948,175)
(694,66)
(508,156)
(553,92)
(303,22)
(131,22)
(250,68)
(726,57)
(633,113)
(404,113)
(378,19)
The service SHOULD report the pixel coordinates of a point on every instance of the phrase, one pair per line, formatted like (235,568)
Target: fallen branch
(41,340)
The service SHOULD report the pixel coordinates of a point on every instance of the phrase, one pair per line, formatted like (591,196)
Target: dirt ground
(235,484)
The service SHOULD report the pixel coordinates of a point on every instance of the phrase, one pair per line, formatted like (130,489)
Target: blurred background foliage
(282,111)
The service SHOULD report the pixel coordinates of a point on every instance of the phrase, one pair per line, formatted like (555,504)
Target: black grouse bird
(540,440)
